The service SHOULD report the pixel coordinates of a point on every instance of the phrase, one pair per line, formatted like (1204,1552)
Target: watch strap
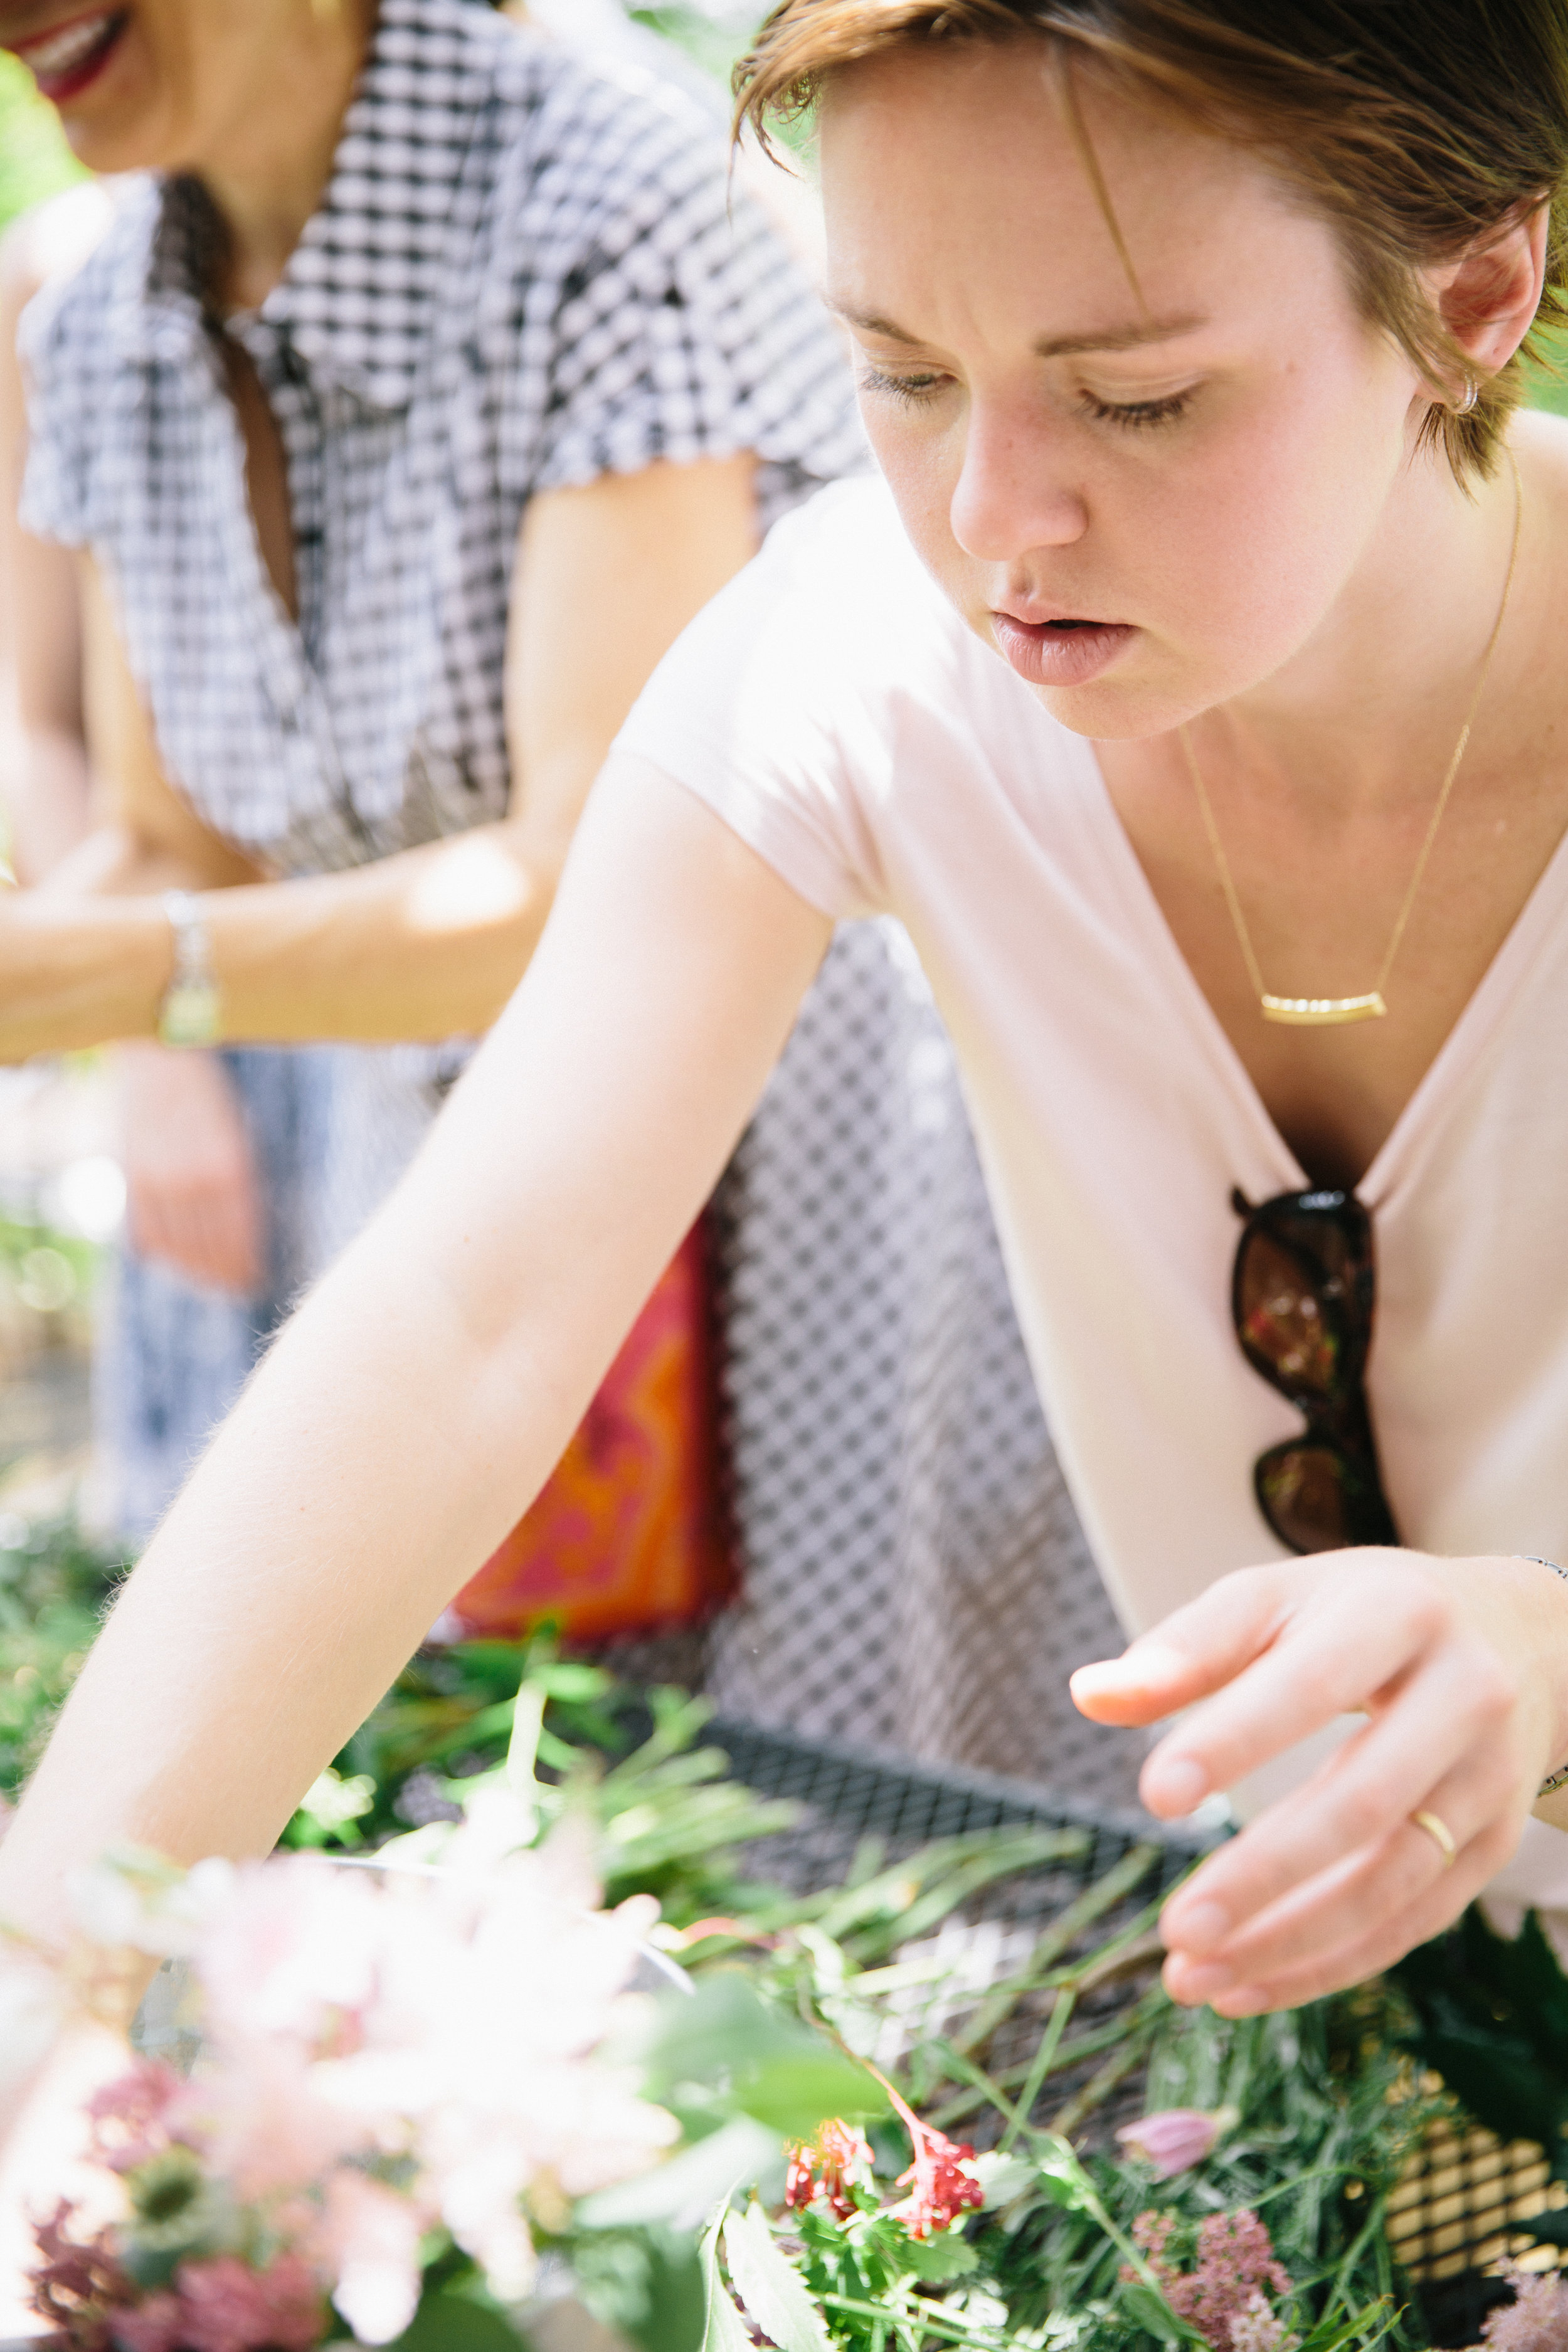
(189,1012)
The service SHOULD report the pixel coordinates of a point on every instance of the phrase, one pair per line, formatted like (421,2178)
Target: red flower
(76,2285)
(825,2166)
(942,2189)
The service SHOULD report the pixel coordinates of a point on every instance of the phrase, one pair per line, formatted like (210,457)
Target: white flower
(371,2241)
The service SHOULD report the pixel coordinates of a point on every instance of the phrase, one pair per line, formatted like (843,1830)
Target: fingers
(1332,1655)
(1449,1734)
(1445,1661)
(192,1199)
(1378,1944)
(1193,1652)
(1375,1889)
(206,1227)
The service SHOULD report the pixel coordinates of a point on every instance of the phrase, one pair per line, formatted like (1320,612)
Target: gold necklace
(1330,1012)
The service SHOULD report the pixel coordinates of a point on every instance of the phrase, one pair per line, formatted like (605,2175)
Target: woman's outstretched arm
(421,1395)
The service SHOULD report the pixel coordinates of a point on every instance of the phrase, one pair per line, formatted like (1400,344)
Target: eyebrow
(1049,347)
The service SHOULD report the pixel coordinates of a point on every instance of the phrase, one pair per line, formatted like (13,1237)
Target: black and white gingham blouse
(526,272)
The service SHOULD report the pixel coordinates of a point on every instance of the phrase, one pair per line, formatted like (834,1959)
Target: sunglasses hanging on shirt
(1302,1294)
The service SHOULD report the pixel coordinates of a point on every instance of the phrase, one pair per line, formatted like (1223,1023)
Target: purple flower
(1176,2138)
(1537,2319)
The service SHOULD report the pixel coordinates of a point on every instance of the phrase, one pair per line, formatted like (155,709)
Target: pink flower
(152,2326)
(226,2307)
(128,2116)
(1255,2328)
(1175,2138)
(369,2240)
(1225,2294)
(1537,2319)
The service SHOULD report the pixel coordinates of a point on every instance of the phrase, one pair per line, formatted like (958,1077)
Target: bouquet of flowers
(430,2108)
(410,2082)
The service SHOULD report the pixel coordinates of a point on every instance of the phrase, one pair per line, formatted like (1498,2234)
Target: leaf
(1146,2310)
(647,2284)
(772,2290)
(451,2323)
(740,2152)
(1065,2181)
(725,2330)
(723,2037)
(946,2256)
(1327,2337)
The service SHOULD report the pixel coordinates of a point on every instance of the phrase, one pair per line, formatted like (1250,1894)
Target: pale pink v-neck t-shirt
(832,708)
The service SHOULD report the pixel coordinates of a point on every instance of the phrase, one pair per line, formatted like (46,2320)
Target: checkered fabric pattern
(916,1576)
(526,270)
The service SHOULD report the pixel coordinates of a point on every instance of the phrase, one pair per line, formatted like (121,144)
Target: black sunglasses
(1301,1300)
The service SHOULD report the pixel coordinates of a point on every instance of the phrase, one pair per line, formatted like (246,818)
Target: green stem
(936,2323)
(1034,2082)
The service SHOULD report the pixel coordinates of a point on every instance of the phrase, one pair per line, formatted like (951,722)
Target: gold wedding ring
(1441,1835)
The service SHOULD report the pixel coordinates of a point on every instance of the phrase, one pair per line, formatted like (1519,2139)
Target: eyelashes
(914,389)
(1136,414)
(1133,416)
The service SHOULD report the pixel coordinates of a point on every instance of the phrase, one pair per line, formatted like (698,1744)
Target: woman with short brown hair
(1187,693)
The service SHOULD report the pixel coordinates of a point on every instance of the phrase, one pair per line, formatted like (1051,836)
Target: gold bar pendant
(1323,1012)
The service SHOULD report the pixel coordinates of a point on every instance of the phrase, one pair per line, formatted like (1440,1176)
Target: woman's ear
(1488,298)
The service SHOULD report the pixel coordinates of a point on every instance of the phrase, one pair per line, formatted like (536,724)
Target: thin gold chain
(1222,863)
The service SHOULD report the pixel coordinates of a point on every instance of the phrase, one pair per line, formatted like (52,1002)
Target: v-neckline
(1398,1155)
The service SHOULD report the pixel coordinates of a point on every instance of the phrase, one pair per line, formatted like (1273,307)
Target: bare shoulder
(1540,441)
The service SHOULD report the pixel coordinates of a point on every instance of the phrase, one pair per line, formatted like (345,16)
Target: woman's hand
(193,1201)
(1460,1667)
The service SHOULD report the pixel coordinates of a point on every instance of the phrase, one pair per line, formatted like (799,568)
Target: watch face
(189,1013)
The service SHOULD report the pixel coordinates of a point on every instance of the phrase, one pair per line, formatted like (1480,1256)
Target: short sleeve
(69,349)
(779,706)
(55,502)
(671,320)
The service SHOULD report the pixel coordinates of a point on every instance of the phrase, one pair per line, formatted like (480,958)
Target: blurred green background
(34,158)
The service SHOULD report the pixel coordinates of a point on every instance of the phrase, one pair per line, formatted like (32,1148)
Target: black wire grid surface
(1468,2202)
(849,1796)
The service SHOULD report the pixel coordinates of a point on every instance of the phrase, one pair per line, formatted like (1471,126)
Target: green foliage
(669,1820)
(35,161)
(712,37)
(448,2322)
(1329,2119)
(1491,2018)
(646,2283)
(1548,376)
(54,1585)
(722,2051)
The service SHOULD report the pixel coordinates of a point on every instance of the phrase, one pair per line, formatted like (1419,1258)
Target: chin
(1124,709)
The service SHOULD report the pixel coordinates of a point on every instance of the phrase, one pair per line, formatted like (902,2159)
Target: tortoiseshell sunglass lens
(1280,1319)
(1317,1497)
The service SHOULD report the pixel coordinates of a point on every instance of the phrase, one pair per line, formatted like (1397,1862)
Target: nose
(1014,492)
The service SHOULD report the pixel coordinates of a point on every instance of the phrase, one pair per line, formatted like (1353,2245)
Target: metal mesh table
(1467,2202)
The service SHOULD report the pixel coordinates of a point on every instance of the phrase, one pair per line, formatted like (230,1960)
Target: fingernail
(1198,1928)
(1202,1978)
(1177,1784)
(1246,2000)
